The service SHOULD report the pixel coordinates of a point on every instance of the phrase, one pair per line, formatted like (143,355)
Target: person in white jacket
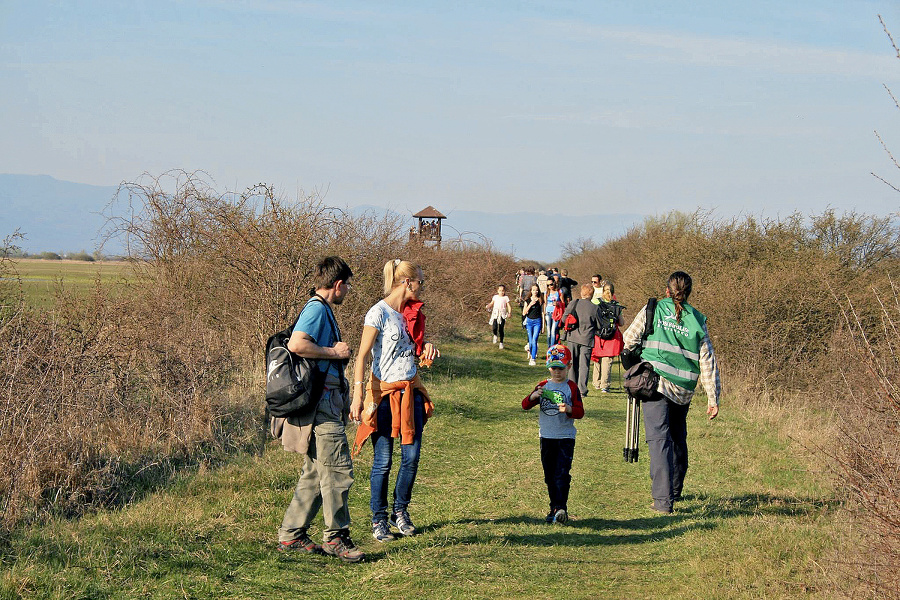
(499,307)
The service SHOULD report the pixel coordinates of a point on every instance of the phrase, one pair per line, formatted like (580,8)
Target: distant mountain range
(61,216)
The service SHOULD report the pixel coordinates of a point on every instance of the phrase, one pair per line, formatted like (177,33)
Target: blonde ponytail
(395,271)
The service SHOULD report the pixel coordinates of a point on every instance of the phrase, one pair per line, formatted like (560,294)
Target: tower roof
(429,212)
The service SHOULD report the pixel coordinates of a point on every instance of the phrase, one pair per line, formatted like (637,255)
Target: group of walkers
(392,402)
(546,302)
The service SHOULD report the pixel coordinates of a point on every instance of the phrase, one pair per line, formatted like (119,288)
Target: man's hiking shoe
(381,531)
(561,516)
(401,521)
(661,509)
(301,544)
(342,547)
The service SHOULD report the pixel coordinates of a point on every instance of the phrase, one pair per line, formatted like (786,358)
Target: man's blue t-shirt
(316,322)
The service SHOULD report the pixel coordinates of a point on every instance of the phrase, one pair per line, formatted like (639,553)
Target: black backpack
(609,319)
(293,383)
(632,357)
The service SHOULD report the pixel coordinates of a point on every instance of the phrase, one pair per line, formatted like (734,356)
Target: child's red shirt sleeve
(577,405)
(528,403)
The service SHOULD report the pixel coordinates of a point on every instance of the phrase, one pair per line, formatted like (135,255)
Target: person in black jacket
(566,285)
(581,339)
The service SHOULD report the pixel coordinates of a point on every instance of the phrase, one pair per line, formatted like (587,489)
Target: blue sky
(573,107)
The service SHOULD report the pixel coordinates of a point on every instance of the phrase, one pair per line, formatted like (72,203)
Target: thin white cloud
(745,53)
(674,123)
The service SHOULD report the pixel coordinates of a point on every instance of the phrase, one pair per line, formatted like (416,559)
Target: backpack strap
(648,318)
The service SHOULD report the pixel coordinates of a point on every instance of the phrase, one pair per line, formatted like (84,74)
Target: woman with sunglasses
(393,402)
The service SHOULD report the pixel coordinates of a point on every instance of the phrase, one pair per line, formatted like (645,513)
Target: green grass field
(756,523)
(40,278)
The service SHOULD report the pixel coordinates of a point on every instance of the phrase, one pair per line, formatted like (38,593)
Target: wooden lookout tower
(429,229)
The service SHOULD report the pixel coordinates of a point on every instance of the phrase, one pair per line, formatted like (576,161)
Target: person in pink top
(499,307)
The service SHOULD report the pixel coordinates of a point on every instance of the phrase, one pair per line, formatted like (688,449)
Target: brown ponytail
(679,286)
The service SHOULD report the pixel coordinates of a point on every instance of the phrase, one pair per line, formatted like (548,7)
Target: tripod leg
(626,450)
(637,429)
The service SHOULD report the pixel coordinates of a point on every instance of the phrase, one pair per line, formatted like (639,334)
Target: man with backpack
(581,321)
(319,433)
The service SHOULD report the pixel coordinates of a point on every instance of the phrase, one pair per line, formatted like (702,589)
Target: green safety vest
(674,347)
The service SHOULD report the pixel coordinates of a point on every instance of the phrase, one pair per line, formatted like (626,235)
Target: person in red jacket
(560,404)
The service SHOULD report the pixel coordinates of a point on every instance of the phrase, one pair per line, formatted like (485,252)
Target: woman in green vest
(681,352)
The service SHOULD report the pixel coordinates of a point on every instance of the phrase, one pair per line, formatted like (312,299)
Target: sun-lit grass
(756,523)
(40,278)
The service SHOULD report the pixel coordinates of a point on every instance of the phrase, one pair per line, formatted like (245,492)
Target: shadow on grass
(701,512)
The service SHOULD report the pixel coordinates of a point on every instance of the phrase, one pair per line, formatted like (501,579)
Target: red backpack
(571,323)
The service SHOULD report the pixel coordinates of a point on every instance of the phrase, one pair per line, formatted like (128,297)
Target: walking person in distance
(533,311)
(499,307)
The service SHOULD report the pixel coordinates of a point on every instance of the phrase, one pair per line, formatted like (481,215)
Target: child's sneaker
(550,515)
(495,340)
(342,547)
(531,363)
(381,531)
(302,543)
(561,516)
(401,521)
(501,345)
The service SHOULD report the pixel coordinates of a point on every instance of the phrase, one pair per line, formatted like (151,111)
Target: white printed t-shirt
(394,353)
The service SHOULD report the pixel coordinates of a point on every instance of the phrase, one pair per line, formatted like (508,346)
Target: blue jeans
(383,448)
(552,331)
(533,327)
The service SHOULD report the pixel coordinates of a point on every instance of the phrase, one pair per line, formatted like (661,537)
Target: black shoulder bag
(641,380)
(293,383)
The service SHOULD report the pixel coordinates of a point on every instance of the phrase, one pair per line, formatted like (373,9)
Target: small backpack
(609,319)
(641,381)
(293,383)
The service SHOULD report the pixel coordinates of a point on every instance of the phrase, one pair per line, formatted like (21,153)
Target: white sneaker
(501,345)
(531,363)
(495,340)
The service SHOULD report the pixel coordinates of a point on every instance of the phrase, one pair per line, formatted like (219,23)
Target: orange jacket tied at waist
(403,422)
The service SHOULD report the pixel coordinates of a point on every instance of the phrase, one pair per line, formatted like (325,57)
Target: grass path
(755,522)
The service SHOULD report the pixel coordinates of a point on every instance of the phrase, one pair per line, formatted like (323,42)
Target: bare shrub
(109,394)
(867,459)
(763,283)
(97,391)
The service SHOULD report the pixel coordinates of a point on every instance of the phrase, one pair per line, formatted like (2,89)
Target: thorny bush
(108,395)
